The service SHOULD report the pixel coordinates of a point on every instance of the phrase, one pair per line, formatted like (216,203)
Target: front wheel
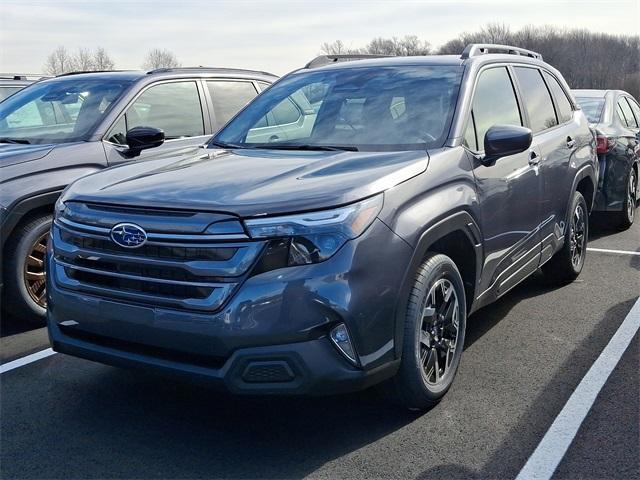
(434,332)
(24,257)
(565,266)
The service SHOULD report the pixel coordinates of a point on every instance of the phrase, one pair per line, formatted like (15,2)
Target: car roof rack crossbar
(323,60)
(475,49)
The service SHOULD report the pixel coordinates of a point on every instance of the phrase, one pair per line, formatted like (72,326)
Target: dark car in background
(60,129)
(337,250)
(615,115)
(12,83)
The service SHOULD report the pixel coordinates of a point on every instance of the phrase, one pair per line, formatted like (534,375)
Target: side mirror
(504,140)
(142,138)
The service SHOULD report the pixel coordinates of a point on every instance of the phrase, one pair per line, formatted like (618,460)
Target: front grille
(151,251)
(177,270)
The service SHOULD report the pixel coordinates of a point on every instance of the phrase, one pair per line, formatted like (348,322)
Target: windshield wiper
(285,146)
(21,141)
(224,145)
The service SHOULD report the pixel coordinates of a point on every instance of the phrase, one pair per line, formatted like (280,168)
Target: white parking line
(553,446)
(34,357)
(606,250)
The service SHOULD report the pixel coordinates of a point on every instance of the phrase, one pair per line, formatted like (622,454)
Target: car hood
(11,153)
(250,182)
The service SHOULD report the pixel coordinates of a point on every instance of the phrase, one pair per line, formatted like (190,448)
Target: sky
(273,35)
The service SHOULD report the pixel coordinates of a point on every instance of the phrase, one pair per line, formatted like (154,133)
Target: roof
(395,62)
(133,75)
(451,60)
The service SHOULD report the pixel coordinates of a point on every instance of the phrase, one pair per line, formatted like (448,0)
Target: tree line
(62,60)
(586,59)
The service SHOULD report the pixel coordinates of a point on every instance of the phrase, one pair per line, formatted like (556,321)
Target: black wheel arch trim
(17,211)
(581,174)
(456,221)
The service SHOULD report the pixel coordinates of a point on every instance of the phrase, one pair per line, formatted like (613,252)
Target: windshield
(592,107)
(57,111)
(364,108)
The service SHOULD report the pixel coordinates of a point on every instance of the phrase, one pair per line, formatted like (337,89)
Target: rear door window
(628,118)
(537,99)
(494,103)
(635,108)
(229,97)
(563,105)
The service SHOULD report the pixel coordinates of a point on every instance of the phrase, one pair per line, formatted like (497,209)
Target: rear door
(176,106)
(558,136)
(508,190)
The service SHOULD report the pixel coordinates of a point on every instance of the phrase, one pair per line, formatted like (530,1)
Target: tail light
(604,144)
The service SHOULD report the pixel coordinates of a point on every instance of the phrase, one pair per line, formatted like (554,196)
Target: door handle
(534,160)
(570,143)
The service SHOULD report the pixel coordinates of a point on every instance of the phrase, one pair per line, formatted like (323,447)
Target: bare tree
(408,45)
(586,59)
(102,60)
(335,48)
(59,61)
(83,60)
(157,58)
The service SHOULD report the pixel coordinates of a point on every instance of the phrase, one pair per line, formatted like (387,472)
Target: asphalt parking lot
(63,417)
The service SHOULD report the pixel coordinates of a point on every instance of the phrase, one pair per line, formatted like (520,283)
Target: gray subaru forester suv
(57,130)
(335,250)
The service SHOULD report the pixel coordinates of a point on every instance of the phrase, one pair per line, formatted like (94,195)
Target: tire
(565,266)
(24,268)
(626,217)
(417,386)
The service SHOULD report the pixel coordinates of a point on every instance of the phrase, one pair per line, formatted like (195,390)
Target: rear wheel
(628,213)
(434,332)
(24,256)
(566,264)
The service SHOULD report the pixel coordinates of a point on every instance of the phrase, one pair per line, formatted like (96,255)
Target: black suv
(58,130)
(338,249)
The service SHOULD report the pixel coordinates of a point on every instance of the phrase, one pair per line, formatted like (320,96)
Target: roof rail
(323,60)
(475,49)
(80,72)
(212,69)
(23,76)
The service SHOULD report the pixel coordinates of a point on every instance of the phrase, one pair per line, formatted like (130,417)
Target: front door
(508,190)
(176,107)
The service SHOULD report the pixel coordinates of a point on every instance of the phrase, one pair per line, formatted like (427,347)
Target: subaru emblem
(128,235)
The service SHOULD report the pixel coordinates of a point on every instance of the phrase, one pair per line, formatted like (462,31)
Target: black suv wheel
(25,293)
(433,336)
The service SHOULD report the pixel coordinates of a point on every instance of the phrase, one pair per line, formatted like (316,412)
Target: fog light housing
(340,338)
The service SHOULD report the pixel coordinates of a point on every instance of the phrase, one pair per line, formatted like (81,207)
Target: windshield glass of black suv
(354,108)
(58,111)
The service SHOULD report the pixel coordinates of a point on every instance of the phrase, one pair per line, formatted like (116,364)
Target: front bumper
(271,336)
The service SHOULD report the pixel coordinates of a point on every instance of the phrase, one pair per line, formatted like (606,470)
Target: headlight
(59,208)
(315,236)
